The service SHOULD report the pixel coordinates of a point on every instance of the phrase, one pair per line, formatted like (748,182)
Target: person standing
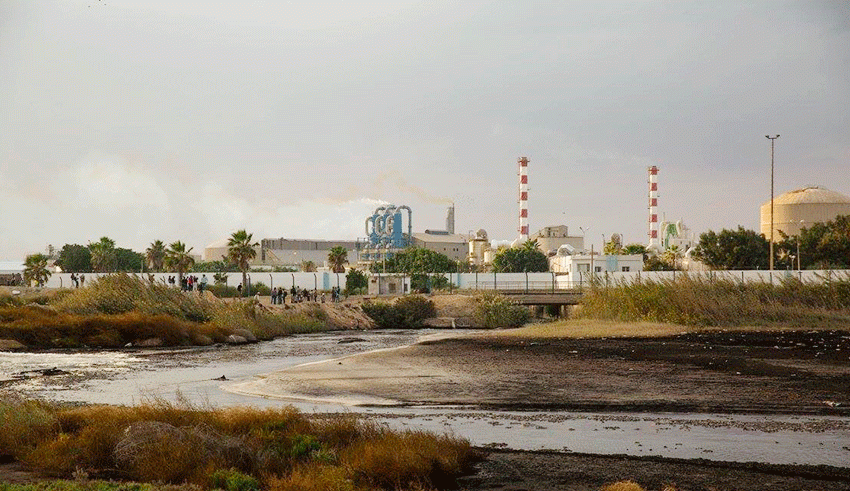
(204,282)
(82,279)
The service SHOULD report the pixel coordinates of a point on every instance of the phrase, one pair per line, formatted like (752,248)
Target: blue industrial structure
(384,232)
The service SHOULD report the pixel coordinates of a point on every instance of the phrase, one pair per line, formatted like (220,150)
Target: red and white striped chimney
(654,242)
(523,198)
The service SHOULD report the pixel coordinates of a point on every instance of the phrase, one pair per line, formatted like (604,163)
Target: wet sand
(792,372)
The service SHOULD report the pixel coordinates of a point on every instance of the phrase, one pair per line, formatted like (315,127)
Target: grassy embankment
(120,309)
(235,449)
(670,307)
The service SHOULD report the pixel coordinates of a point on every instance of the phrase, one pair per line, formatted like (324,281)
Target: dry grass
(592,328)
(280,448)
(623,486)
(119,309)
(704,302)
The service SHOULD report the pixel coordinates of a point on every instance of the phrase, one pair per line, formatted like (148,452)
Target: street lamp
(772,140)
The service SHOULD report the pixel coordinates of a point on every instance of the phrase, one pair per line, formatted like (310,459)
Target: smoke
(403,185)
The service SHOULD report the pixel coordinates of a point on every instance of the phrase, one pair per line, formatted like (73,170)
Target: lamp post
(772,140)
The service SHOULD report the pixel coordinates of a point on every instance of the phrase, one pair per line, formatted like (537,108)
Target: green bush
(405,313)
(356,282)
(493,310)
(221,290)
(233,480)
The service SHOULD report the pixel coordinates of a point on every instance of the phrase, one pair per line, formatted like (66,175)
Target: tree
(35,270)
(337,258)
(525,258)
(102,254)
(74,258)
(179,259)
(308,266)
(612,248)
(128,260)
(733,249)
(355,281)
(824,244)
(241,251)
(155,255)
(416,260)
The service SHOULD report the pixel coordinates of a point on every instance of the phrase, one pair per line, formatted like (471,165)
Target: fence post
(494,280)
(553,282)
(526,282)
(476,280)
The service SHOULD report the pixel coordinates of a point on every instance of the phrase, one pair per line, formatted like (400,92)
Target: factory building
(286,252)
(576,266)
(549,239)
(293,252)
(802,208)
(452,245)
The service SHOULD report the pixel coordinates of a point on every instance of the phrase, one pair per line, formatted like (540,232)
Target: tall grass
(701,301)
(228,448)
(493,310)
(119,309)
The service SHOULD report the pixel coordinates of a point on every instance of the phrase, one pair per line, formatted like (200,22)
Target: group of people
(78,281)
(297,295)
(190,283)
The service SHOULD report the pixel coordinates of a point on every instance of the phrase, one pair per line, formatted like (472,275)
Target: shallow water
(121,377)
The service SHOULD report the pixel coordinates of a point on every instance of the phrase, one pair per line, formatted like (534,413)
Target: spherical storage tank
(802,208)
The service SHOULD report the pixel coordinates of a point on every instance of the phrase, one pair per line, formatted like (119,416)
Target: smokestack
(523,198)
(654,243)
(450,219)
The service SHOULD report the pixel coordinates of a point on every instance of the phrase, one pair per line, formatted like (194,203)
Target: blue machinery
(384,232)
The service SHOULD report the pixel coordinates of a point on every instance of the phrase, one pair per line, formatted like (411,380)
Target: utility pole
(772,140)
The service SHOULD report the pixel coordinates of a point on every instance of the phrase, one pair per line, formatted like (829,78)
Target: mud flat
(787,372)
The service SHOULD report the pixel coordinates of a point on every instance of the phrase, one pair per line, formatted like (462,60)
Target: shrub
(493,310)
(233,480)
(405,313)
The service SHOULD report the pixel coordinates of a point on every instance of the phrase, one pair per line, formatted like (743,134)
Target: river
(201,377)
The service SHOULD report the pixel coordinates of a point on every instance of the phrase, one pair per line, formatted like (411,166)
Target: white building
(455,246)
(577,267)
(549,239)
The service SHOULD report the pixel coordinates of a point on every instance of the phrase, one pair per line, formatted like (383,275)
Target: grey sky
(179,120)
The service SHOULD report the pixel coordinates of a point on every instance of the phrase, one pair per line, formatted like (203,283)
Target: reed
(238,449)
(700,301)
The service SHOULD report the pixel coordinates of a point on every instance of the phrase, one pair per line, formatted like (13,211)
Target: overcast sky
(187,121)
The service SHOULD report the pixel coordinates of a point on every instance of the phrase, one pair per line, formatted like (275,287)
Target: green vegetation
(337,258)
(102,255)
(733,249)
(416,260)
(517,260)
(404,313)
(356,282)
(179,259)
(234,449)
(74,257)
(35,270)
(699,301)
(822,246)
(119,309)
(493,310)
(155,255)
(240,250)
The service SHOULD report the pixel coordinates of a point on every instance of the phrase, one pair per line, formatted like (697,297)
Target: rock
(150,343)
(53,371)
(246,334)
(128,345)
(10,345)
(234,339)
(351,340)
(203,340)
(222,378)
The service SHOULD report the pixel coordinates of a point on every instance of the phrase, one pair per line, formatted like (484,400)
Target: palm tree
(35,269)
(337,257)
(102,254)
(155,254)
(308,266)
(529,245)
(240,250)
(177,257)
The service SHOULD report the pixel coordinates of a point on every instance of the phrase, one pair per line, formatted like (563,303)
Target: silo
(802,208)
